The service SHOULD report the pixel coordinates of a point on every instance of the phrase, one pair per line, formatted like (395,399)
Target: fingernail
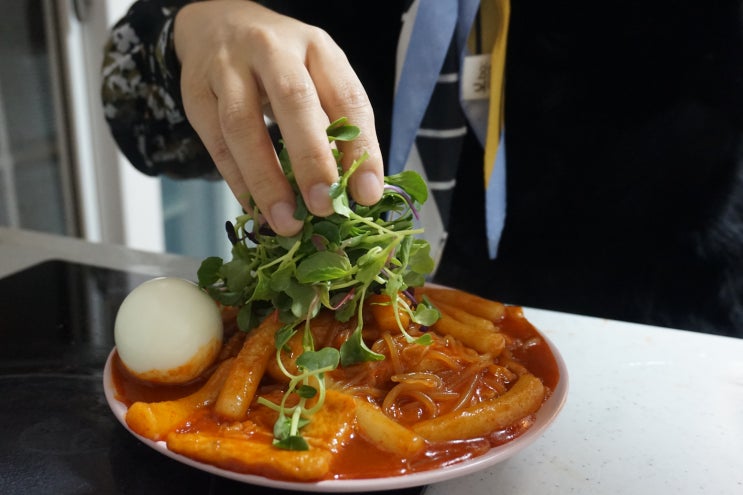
(282,218)
(368,188)
(319,200)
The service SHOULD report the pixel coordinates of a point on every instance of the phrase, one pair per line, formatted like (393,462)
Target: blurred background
(60,171)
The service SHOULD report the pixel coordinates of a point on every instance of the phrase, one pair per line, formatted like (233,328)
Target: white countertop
(20,249)
(649,410)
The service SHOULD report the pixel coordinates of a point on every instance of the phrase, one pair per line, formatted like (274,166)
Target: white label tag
(476,77)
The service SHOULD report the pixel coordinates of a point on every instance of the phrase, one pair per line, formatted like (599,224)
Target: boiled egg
(168,330)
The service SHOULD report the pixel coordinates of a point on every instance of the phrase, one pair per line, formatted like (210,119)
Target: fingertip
(318,200)
(367,187)
(281,219)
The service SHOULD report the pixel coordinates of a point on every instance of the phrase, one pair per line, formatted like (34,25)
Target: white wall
(119,204)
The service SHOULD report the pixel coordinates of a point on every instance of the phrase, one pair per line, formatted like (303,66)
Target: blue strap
(435,23)
(495,200)
(432,32)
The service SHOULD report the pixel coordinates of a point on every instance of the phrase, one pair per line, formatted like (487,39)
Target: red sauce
(360,458)
(130,389)
(536,355)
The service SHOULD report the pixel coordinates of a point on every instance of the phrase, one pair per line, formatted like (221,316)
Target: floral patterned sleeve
(141,94)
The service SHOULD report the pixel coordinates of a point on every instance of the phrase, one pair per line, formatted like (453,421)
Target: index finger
(342,95)
(302,121)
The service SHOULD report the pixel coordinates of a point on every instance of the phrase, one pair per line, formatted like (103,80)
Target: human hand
(239,59)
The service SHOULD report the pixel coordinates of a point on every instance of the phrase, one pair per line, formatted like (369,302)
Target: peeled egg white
(167,330)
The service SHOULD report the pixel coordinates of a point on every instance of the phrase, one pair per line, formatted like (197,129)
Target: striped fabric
(440,136)
(429,124)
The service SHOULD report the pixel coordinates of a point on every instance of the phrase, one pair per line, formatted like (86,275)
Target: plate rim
(546,415)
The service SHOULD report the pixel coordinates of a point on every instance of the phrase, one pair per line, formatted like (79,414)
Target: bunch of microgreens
(335,262)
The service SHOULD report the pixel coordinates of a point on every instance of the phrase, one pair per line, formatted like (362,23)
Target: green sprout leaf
(208,272)
(325,359)
(355,351)
(340,130)
(411,183)
(332,263)
(425,313)
(306,392)
(292,442)
(323,266)
(339,200)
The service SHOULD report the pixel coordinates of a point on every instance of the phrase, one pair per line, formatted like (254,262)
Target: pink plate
(545,416)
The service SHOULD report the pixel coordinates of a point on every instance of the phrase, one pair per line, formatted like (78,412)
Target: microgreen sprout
(333,263)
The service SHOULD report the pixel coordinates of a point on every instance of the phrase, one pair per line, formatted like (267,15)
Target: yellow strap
(495,15)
